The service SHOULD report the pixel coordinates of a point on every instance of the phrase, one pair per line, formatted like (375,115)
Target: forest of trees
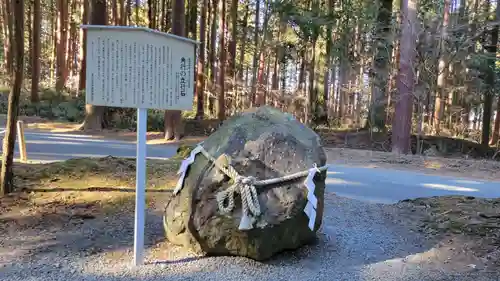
(406,66)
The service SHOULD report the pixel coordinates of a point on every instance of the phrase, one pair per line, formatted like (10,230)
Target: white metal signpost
(141,68)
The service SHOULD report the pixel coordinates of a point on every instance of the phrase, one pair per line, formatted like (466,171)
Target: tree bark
(276,64)
(262,49)
(193,17)
(123,13)
(222,62)
(255,63)
(469,86)
(114,12)
(401,126)
(491,50)
(61,71)
(83,68)
(312,97)
(442,71)
(35,56)
(94,115)
(55,37)
(29,30)
(152,14)
(260,96)
(162,16)
(6,176)
(128,11)
(328,60)
(232,45)
(173,118)
(381,67)
(72,38)
(9,38)
(243,42)
(332,100)
(496,126)
(302,70)
(343,87)
(393,72)
(5,35)
(213,40)
(200,82)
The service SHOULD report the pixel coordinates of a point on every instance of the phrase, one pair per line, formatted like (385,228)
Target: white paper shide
(183,169)
(312,201)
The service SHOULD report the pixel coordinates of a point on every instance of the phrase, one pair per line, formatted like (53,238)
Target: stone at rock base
(264,143)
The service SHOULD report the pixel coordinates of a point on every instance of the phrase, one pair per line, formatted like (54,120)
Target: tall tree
(6,176)
(469,81)
(496,126)
(232,44)
(123,12)
(94,115)
(491,50)
(442,70)
(381,66)
(173,118)
(243,41)
(401,124)
(200,82)
(213,40)
(72,44)
(114,11)
(29,33)
(152,14)
(314,33)
(193,18)
(221,114)
(328,59)
(83,68)
(9,35)
(61,69)
(35,56)
(255,62)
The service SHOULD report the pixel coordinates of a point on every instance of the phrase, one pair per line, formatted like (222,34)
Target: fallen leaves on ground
(52,195)
(464,224)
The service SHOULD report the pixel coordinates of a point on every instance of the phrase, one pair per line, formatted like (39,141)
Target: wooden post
(22,141)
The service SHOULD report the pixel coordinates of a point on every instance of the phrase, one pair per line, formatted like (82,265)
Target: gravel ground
(359,241)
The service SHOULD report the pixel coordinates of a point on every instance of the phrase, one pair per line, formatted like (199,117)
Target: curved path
(365,184)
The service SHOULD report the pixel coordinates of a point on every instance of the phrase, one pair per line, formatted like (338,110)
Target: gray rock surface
(264,143)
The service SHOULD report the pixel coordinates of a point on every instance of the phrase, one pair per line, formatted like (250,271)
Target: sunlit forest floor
(52,202)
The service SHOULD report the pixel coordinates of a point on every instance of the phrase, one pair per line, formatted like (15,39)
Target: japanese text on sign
(139,69)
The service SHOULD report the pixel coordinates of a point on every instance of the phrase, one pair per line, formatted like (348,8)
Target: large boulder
(264,143)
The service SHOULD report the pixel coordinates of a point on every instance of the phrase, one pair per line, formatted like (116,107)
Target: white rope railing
(245,186)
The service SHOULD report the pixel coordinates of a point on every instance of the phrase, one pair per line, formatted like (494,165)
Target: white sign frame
(116,85)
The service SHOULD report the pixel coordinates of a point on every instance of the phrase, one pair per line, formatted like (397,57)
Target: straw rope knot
(245,186)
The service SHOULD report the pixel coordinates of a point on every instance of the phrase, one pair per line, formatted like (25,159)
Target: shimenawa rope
(245,186)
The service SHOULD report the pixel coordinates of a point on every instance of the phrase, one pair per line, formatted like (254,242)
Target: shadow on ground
(94,189)
(77,229)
